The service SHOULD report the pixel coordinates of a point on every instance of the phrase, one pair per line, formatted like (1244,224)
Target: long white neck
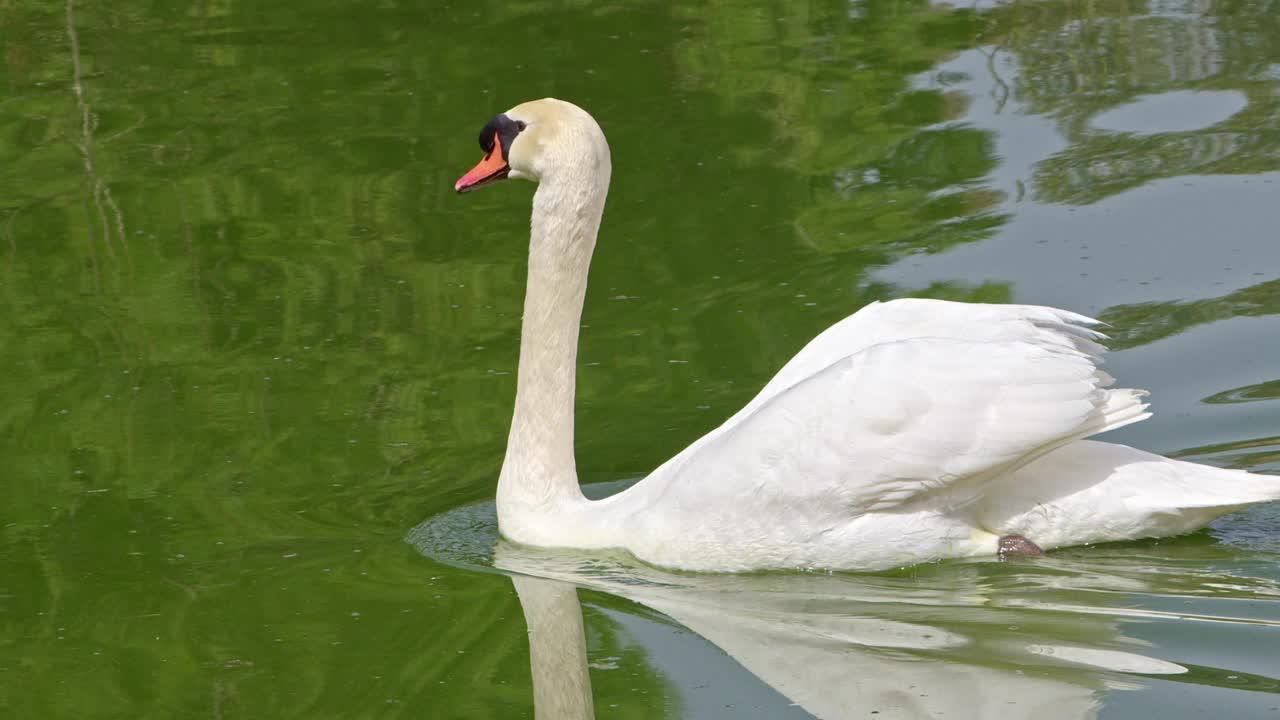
(539,474)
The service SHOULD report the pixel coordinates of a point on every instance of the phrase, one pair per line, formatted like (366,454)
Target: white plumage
(910,431)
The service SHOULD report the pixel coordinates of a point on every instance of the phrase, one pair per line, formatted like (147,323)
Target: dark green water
(250,339)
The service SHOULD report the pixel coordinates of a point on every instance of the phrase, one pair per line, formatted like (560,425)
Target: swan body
(910,431)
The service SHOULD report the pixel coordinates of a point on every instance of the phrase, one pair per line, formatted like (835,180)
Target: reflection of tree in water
(1076,60)
(1248,454)
(834,86)
(1143,323)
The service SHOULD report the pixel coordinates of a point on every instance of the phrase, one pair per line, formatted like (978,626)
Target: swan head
(540,140)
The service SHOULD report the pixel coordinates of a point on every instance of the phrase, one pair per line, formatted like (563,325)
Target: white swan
(910,431)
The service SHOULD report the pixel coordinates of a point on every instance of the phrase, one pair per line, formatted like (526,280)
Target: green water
(251,339)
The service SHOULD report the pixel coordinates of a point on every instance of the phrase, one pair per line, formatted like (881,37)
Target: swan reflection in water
(1037,639)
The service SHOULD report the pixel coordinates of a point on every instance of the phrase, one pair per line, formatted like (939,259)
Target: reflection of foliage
(834,87)
(1106,164)
(1077,59)
(165,622)
(1244,454)
(1134,325)
(1248,393)
(228,397)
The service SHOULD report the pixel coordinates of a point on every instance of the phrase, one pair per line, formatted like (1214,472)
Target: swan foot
(1016,546)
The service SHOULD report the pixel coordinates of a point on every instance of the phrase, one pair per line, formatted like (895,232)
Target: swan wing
(901,420)
(907,318)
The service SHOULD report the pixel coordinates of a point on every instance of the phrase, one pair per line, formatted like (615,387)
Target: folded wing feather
(891,423)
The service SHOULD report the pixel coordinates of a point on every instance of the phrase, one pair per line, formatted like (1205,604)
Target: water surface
(251,339)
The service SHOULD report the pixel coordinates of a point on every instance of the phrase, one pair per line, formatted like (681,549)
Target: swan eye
(505,129)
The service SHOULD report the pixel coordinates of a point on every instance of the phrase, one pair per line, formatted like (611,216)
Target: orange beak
(491,169)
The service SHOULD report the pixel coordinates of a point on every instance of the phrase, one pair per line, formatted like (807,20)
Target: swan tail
(1190,496)
(1091,491)
(1206,487)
